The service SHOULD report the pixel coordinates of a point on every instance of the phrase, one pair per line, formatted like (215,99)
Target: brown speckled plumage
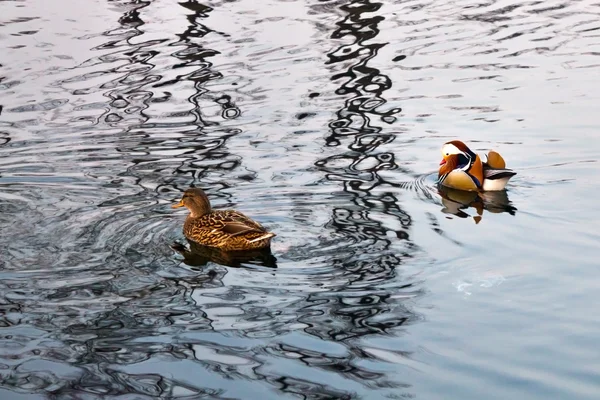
(227,230)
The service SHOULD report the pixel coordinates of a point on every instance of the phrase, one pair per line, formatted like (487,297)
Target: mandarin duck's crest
(463,169)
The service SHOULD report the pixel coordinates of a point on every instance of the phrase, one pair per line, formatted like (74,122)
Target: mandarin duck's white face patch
(450,149)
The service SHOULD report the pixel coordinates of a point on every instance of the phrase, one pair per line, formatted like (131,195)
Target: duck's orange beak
(443,161)
(180,204)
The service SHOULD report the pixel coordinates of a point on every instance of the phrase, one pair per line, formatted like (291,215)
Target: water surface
(323,120)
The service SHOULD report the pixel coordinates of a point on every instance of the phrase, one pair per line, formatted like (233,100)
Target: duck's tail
(267,235)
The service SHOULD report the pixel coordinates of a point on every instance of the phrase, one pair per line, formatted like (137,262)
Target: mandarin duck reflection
(463,169)
(458,202)
(228,230)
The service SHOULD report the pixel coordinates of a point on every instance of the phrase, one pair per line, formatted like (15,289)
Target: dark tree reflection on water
(84,331)
(374,255)
(365,303)
(200,142)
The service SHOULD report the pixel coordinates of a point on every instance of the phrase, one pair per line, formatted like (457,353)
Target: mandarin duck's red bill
(463,169)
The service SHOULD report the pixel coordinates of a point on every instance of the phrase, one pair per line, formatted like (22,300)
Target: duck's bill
(180,204)
(442,162)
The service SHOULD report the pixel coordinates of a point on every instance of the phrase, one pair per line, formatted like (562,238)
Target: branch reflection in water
(372,220)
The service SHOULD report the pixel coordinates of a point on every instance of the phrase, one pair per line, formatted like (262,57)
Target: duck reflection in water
(456,201)
(198,255)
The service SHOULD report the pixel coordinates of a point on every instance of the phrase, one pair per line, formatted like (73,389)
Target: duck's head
(196,201)
(455,149)
(455,153)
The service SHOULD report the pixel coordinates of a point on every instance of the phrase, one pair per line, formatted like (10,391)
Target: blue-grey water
(323,120)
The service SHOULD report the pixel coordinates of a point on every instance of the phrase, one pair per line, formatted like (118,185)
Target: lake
(322,120)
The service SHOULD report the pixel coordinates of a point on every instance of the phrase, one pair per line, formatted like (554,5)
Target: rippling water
(322,120)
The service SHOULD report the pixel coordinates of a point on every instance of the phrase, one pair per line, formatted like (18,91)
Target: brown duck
(223,229)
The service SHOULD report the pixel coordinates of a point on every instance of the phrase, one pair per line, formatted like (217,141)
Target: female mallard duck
(224,229)
(462,169)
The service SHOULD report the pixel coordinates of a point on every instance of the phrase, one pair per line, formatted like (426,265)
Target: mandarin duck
(228,230)
(463,169)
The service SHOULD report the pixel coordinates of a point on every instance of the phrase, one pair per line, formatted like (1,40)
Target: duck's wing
(235,223)
(498,173)
(226,229)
